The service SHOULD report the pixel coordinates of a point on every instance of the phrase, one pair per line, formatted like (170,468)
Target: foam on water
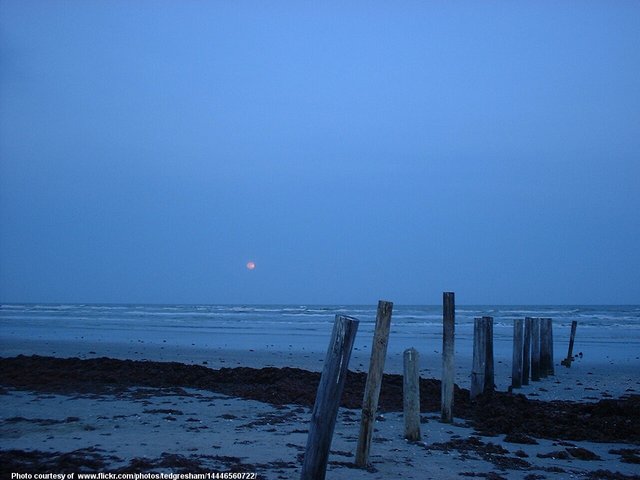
(51,320)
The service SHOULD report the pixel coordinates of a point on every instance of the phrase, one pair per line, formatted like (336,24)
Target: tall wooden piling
(526,351)
(489,377)
(478,368)
(550,366)
(411,395)
(535,349)
(448,371)
(374,381)
(325,409)
(544,348)
(567,361)
(518,346)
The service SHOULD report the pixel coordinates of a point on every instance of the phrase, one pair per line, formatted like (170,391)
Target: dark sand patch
(608,420)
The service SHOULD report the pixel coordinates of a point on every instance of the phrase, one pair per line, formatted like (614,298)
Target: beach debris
(629,455)
(609,475)
(520,438)
(578,453)
(582,453)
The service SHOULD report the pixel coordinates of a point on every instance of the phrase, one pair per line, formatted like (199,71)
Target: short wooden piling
(535,349)
(411,395)
(544,348)
(374,382)
(567,361)
(325,409)
(478,368)
(489,377)
(448,371)
(526,351)
(518,345)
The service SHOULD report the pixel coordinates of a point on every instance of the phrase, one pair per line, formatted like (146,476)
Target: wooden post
(518,345)
(550,366)
(478,369)
(567,361)
(544,348)
(411,395)
(574,326)
(535,349)
(374,382)
(325,409)
(448,371)
(526,351)
(489,380)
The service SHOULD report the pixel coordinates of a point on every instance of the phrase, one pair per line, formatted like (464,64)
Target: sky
(354,151)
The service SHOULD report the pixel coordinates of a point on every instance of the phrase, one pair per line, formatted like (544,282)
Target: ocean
(241,324)
(298,336)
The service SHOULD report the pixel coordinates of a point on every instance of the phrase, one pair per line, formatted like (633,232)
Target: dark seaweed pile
(608,420)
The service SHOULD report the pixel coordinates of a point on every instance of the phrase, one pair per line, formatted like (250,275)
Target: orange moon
(251,265)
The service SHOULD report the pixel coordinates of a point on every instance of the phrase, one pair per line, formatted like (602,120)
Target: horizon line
(303,304)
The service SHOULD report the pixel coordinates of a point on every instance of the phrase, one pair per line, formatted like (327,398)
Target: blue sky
(352,150)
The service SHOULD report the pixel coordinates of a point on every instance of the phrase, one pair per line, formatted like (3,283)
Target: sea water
(306,325)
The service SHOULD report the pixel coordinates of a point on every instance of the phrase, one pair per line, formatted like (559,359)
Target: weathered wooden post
(518,344)
(544,348)
(567,361)
(550,366)
(374,382)
(448,371)
(526,351)
(325,409)
(478,368)
(489,377)
(411,395)
(535,349)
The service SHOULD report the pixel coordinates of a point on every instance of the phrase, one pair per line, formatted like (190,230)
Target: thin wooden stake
(411,395)
(448,370)
(567,361)
(374,382)
(325,409)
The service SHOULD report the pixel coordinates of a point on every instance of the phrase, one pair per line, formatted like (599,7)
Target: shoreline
(603,371)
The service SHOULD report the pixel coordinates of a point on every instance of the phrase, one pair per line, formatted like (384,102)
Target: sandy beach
(197,199)
(225,409)
(607,366)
